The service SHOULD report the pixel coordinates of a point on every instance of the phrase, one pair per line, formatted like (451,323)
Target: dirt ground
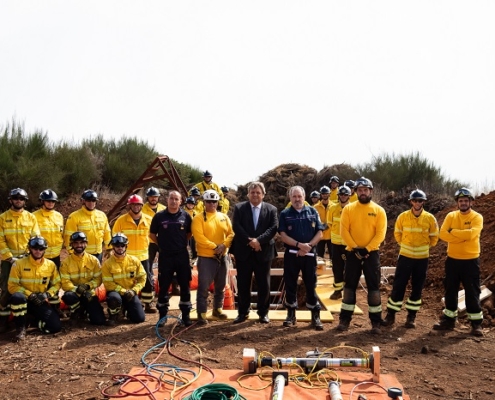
(81,361)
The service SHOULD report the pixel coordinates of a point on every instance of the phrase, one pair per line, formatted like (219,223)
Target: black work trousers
(292,266)
(177,263)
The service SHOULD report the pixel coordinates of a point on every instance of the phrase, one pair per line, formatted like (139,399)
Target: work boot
(375,327)
(315,319)
(389,319)
(291,317)
(112,319)
(20,333)
(162,320)
(343,325)
(336,295)
(476,329)
(218,313)
(186,319)
(410,324)
(149,308)
(445,324)
(202,319)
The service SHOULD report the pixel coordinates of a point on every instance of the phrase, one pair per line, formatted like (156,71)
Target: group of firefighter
(122,258)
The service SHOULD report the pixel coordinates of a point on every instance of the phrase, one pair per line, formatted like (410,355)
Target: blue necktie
(256,211)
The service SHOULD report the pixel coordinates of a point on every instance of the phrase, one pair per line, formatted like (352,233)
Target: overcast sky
(239,88)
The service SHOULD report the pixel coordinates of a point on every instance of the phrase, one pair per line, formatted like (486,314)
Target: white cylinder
(278,388)
(334,390)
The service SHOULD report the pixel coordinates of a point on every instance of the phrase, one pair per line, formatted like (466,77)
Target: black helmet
(224,189)
(38,242)
(463,192)
(363,182)
(18,192)
(89,195)
(152,191)
(315,193)
(119,238)
(334,179)
(417,195)
(190,200)
(78,236)
(47,195)
(195,191)
(207,173)
(344,190)
(350,184)
(324,190)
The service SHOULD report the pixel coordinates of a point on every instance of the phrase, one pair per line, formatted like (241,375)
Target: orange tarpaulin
(251,383)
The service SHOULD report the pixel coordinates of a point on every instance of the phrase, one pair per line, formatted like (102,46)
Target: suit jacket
(264,232)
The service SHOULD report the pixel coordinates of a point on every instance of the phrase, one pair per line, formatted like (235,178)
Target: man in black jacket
(255,225)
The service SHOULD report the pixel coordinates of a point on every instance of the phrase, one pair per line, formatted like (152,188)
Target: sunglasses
(119,245)
(37,248)
(18,198)
(211,201)
(417,201)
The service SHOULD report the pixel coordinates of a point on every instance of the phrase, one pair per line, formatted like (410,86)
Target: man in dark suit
(255,225)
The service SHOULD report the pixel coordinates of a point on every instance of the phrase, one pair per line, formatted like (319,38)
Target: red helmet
(135,199)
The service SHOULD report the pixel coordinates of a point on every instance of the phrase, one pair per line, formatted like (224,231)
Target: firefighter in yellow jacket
(80,274)
(16,227)
(334,188)
(136,226)
(323,206)
(213,233)
(461,229)
(150,208)
(338,245)
(199,206)
(225,201)
(92,222)
(416,231)
(189,207)
(33,282)
(51,224)
(124,277)
(363,226)
(351,185)
(208,184)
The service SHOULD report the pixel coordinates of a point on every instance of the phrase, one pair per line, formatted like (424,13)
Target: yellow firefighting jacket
(323,212)
(225,205)
(28,275)
(122,274)
(217,229)
(415,235)
(334,195)
(333,221)
(51,224)
(94,224)
(77,270)
(138,235)
(353,197)
(149,211)
(192,212)
(462,233)
(199,207)
(15,230)
(363,225)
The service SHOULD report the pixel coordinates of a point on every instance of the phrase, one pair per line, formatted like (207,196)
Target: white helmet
(211,195)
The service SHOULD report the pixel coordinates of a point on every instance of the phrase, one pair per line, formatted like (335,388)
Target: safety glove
(128,295)
(82,288)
